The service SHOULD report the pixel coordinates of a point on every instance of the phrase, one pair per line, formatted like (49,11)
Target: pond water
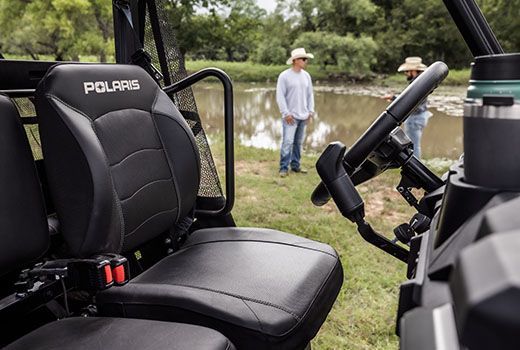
(342,115)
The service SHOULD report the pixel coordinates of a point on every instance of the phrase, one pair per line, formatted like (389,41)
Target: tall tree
(226,30)
(503,18)
(338,16)
(194,22)
(418,29)
(61,28)
(242,29)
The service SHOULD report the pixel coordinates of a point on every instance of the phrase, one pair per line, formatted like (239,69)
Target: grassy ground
(454,78)
(363,316)
(253,72)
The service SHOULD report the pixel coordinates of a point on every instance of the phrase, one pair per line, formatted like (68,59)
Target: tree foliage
(354,55)
(503,18)
(61,28)
(413,28)
(355,35)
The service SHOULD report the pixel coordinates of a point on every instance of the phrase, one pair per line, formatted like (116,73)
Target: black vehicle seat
(107,333)
(24,239)
(123,168)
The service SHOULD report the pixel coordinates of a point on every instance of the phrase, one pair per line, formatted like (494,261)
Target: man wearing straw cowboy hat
(296,102)
(416,122)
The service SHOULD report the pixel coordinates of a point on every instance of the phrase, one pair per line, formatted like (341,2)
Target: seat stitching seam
(296,317)
(329,275)
(315,296)
(71,107)
(258,241)
(147,220)
(117,200)
(153,114)
(188,131)
(256,316)
(142,187)
(134,152)
(305,242)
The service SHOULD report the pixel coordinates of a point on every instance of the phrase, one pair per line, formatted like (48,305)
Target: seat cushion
(262,288)
(119,333)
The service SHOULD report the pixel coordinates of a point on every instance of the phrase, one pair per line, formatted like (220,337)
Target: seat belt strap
(181,231)
(140,57)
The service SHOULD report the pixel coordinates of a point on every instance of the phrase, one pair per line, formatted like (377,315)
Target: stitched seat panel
(259,280)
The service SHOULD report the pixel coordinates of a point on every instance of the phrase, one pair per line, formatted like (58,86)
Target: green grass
(254,72)
(363,316)
(454,78)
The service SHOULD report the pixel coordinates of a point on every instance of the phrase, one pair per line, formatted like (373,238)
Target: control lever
(337,182)
(404,233)
(419,223)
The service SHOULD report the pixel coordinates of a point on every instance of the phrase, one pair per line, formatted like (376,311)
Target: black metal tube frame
(228,129)
(18,92)
(474,27)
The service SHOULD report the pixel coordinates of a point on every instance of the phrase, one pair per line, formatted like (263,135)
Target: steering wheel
(378,132)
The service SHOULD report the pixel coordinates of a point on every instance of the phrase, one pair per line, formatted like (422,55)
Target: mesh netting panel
(26,109)
(184,100)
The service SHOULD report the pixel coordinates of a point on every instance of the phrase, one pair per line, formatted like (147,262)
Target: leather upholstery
(81,333)
(263,289)
(110,156)
(22,214)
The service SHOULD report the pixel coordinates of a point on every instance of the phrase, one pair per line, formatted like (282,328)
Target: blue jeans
(292,140)
(413,127)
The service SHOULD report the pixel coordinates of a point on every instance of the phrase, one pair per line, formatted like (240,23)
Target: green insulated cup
(492,123)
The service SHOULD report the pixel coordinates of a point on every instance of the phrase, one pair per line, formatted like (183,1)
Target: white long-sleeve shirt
(294,94)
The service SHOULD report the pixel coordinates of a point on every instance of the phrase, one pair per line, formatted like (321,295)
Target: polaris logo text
(102,87)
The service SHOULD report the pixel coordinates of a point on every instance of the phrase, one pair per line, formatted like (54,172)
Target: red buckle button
(119,274)
(108,274)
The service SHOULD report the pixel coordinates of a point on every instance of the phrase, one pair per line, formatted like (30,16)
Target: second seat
(123,168)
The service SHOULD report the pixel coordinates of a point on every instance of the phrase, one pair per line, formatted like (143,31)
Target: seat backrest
(122,163)
(24,235)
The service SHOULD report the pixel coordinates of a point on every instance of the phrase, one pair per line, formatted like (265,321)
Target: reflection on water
(340,117)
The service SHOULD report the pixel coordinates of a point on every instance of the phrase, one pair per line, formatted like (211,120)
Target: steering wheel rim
(396,113)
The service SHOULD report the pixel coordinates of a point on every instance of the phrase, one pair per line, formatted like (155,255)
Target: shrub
(270,51)
(353,55)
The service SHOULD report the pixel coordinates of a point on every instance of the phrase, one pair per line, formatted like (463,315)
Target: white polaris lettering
(116,85)
(102,87)
(110,87)
(88,86)
(125,85)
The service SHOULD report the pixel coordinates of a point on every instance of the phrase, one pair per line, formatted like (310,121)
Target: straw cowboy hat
(299,53)
(412,63)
